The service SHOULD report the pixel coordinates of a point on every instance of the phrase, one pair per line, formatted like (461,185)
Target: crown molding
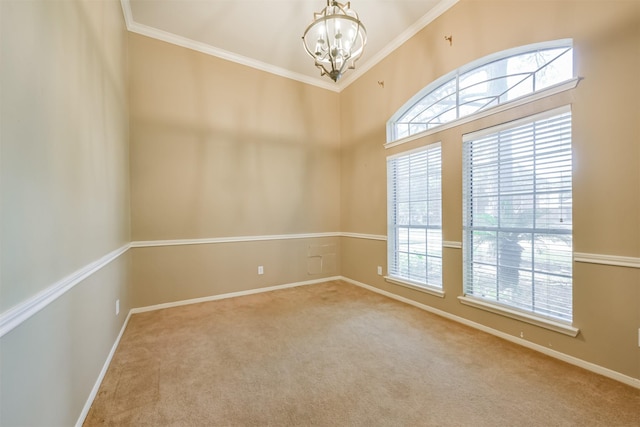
(207,49)
(428,18)
(226,55)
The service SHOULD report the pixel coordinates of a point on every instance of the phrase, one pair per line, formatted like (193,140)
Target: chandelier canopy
(335,39)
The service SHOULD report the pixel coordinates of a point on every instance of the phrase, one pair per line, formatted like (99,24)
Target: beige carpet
(334,354)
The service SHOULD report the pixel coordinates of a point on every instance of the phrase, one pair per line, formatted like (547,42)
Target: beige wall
(65,199)
(222,150)
(51,362)
(606,139)
(176,273)
(218,150)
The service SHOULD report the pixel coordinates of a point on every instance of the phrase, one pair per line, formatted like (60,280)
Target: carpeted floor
(334,354)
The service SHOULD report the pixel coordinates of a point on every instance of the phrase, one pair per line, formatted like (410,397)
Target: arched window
(484,84)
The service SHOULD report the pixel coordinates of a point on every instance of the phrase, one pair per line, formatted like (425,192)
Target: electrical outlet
(379,271)
(117,307)
(260,269)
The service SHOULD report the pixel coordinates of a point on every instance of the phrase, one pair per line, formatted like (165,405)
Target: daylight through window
(517,214)
(483,84)
(415,217)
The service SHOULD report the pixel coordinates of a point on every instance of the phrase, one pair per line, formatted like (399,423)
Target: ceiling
(267,34)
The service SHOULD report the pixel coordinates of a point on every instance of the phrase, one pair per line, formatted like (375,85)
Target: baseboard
(633,382)
(103,372)
(592,367)
(105,367)
(231,295)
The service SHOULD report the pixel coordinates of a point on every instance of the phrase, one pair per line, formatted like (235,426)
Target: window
(484,84)
(517,214)
(415,217)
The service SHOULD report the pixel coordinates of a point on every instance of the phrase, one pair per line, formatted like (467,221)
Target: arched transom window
(491,81)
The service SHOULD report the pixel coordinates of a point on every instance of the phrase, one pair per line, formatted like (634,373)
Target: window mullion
(535,220)
(435,100)
(499,219)
(457,94)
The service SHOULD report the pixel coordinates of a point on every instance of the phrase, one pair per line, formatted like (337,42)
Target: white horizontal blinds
(415,216)
(517,234)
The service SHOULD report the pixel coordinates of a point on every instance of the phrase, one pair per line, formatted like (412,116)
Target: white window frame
(556,324)
(393,140)
(429,224)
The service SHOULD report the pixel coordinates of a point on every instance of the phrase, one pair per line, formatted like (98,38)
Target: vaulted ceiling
(266,34)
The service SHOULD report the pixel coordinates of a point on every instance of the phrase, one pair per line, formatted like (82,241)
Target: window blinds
(415,216)
(517,214)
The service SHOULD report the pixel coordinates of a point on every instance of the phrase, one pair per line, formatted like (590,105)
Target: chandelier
(335,39)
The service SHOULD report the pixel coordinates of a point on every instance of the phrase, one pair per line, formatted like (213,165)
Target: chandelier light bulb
(335,39)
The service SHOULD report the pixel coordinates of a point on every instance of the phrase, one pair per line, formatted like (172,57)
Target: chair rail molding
(16,315)
(13,317)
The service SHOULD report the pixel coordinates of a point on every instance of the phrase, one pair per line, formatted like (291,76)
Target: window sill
(542,322)
(422,288)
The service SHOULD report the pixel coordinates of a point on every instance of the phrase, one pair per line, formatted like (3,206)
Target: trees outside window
(517,233)
(483,84)
(415,217)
